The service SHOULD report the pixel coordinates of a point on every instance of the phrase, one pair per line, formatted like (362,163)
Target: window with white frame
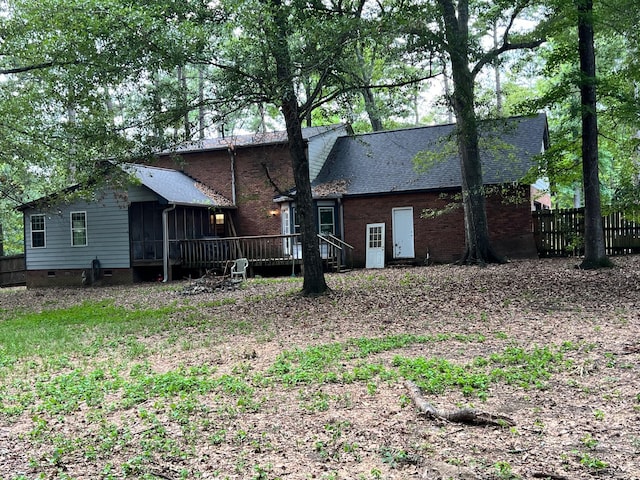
(296,223)
(375,236)
(327,221)
(79,229)
(38,237)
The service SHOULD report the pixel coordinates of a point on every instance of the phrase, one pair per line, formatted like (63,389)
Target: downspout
(165,241)
(341,221)
(232,157)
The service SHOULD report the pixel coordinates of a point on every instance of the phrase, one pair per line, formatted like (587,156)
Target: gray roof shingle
(250,139)
(383,162)
(176,187)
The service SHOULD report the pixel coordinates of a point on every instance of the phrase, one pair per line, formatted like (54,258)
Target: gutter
(165,241)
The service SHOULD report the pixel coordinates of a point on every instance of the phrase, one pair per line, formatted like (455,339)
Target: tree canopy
(85,80)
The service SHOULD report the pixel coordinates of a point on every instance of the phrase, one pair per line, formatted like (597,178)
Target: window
(296,223)
(216,224)
(327,223)
(37,231)
(375,237)
(79,229)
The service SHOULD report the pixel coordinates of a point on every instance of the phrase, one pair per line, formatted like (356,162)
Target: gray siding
(319,148)
(141,194)
(107,233)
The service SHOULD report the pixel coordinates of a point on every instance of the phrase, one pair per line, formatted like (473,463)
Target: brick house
(370,194)
(197,201)
(184,203)
(249,169)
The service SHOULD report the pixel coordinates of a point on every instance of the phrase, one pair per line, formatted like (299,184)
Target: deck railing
(265,250)
(261,251)
(336,253)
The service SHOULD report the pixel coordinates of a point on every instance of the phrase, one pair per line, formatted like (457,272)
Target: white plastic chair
(239,269)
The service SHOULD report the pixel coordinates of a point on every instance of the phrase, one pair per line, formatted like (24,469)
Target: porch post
(165,243)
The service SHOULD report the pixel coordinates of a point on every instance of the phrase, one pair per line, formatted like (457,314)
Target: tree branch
(491,55)
(29,68)
(273,183)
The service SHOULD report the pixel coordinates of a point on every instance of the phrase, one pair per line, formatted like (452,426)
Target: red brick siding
(254,192)
(441,236)
(73,277)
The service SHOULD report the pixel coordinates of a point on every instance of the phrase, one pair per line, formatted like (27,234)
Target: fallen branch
(467,416)
(210,283)
(549,476)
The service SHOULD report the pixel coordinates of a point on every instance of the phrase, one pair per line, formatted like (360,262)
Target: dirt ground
(584,423)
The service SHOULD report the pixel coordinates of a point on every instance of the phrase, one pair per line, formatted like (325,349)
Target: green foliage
(504,472)
(325,363)
(85,327)
(556,89)
(397,457)
(591,462)
(514,366)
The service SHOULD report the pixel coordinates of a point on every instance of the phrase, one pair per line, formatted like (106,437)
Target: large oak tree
(456,28)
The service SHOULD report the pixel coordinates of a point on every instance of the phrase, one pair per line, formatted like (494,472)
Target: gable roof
(382,162)
(251,139)
(176,187)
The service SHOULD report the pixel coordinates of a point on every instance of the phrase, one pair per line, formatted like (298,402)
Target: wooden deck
(261,251)
(214,253)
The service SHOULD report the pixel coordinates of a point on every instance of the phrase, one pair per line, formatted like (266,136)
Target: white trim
(403,233)
(85,228)
(44,229)
(333,219)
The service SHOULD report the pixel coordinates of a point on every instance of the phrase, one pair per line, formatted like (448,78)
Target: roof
(383,162)
(251,140)
(176,187)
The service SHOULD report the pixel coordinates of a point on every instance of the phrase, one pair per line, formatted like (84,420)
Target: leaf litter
(581,422)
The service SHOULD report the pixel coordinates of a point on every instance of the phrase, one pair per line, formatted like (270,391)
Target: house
(213,200)
(249,169)
(169,221)
(119,235)
(370,195)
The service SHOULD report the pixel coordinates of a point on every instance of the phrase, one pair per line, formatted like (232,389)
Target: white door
(286,230)
(375,245)
(403,233)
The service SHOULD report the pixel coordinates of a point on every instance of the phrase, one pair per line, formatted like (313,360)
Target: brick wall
(443,235)
(73,277)
(254,192)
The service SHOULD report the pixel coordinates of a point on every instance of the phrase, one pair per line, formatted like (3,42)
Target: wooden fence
(12,271)
(560,233)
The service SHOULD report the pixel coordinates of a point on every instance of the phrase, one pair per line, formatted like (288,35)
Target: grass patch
(74,329)
(514,366)
(95,361)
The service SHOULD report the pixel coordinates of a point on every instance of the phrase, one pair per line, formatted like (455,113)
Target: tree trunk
(478,249)
(184,107)
(372,109)
(496,73)
(367,94)
(594,246)
(314,281)
(201,112)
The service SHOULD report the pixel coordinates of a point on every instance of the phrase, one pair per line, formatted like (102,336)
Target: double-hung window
(38,237)
(79,229)
(327,220)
